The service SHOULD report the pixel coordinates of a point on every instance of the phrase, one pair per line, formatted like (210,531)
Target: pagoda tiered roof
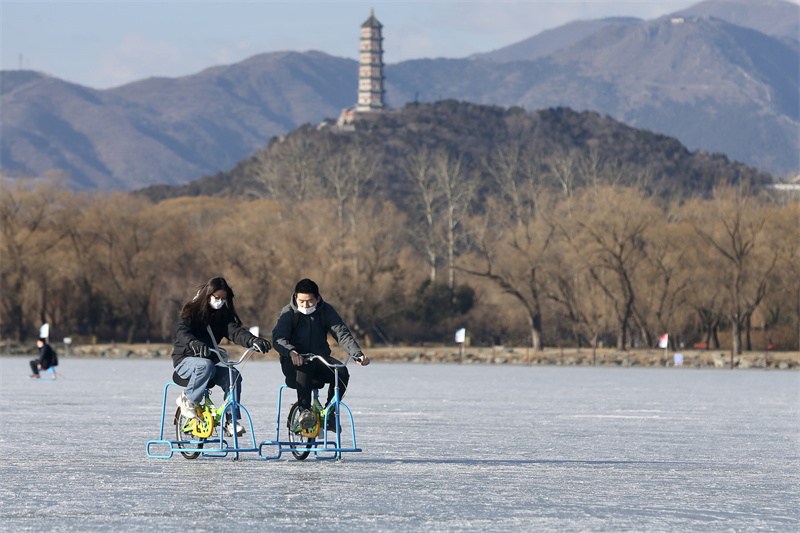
(372,22)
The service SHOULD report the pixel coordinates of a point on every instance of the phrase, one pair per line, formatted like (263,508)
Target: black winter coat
(47,356)
(309,333)
(222,324)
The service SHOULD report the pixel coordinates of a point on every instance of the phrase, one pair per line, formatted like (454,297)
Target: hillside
(659,163)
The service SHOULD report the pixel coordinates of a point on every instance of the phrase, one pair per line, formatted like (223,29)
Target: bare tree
(513,255)
(80,235)
(782,298)
(572,286)
(26,211)
(610,225)
(591,166)
(665,281)
(562,164)
(133,246)
(349,171)
(289,169)
(505,165)
(250,251)
(379,289)
(511,244)
(733,226)
(458,190)
(363,167)
(418,166)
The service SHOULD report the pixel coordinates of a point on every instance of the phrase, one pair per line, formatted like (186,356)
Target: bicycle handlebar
(231,363)
(311,356)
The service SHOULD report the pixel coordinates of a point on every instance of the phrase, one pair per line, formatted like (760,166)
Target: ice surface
(446,448)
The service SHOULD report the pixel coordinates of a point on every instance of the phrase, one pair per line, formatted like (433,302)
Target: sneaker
(34,376)
(307,420)
(229,429)
(188,408)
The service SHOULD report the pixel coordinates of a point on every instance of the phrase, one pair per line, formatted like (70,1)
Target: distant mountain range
(553,40)
(774,18)
(165,130)
(721,76)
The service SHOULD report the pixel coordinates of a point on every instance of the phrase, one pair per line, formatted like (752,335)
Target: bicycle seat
(184,381)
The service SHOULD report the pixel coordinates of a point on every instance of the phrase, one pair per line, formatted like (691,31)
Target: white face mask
(216,303)
(307,310)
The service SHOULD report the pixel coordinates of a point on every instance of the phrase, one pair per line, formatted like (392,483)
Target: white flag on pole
(461,335)
(663,341)
(44,331)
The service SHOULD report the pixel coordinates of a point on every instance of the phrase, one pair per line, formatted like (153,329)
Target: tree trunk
(16,327)
(43,308)
(736,331)
(709,332)
(736,347)
(451,278)
(747,324)
(536,340)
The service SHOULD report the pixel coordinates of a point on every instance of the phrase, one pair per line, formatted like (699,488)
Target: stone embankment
(470,355)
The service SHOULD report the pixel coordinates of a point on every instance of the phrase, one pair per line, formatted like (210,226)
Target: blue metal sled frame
(222,448)
(49,372)
(323,449)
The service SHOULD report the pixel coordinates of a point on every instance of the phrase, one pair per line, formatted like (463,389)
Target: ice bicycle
(204,435)
(318,439)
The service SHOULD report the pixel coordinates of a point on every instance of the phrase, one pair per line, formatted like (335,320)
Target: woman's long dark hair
(198,309)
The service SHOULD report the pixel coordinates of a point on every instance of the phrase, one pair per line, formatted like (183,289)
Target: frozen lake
(446,448)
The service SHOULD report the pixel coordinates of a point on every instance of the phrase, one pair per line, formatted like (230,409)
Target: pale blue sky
(106,43)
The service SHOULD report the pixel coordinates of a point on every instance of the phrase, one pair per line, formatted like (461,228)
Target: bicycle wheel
(184,433)
(300,443)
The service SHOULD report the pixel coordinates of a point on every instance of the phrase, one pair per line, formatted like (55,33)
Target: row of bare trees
(544,263)
(615,264)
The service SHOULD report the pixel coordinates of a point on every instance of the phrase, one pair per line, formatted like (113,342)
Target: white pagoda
(370,66)
(370,72)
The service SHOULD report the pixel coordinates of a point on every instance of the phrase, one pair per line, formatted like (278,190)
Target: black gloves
(199,348)
(262,345)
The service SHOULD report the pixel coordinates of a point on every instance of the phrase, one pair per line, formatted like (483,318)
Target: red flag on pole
(663,341)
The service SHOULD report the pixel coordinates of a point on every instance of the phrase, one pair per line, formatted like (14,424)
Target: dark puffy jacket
(222,324)
(47,356)
(309,333)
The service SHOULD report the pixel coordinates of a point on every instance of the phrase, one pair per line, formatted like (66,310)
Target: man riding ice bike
(303,328)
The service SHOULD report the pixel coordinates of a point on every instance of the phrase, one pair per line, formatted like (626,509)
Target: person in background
(47,358)
(212,307)
(303,327)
